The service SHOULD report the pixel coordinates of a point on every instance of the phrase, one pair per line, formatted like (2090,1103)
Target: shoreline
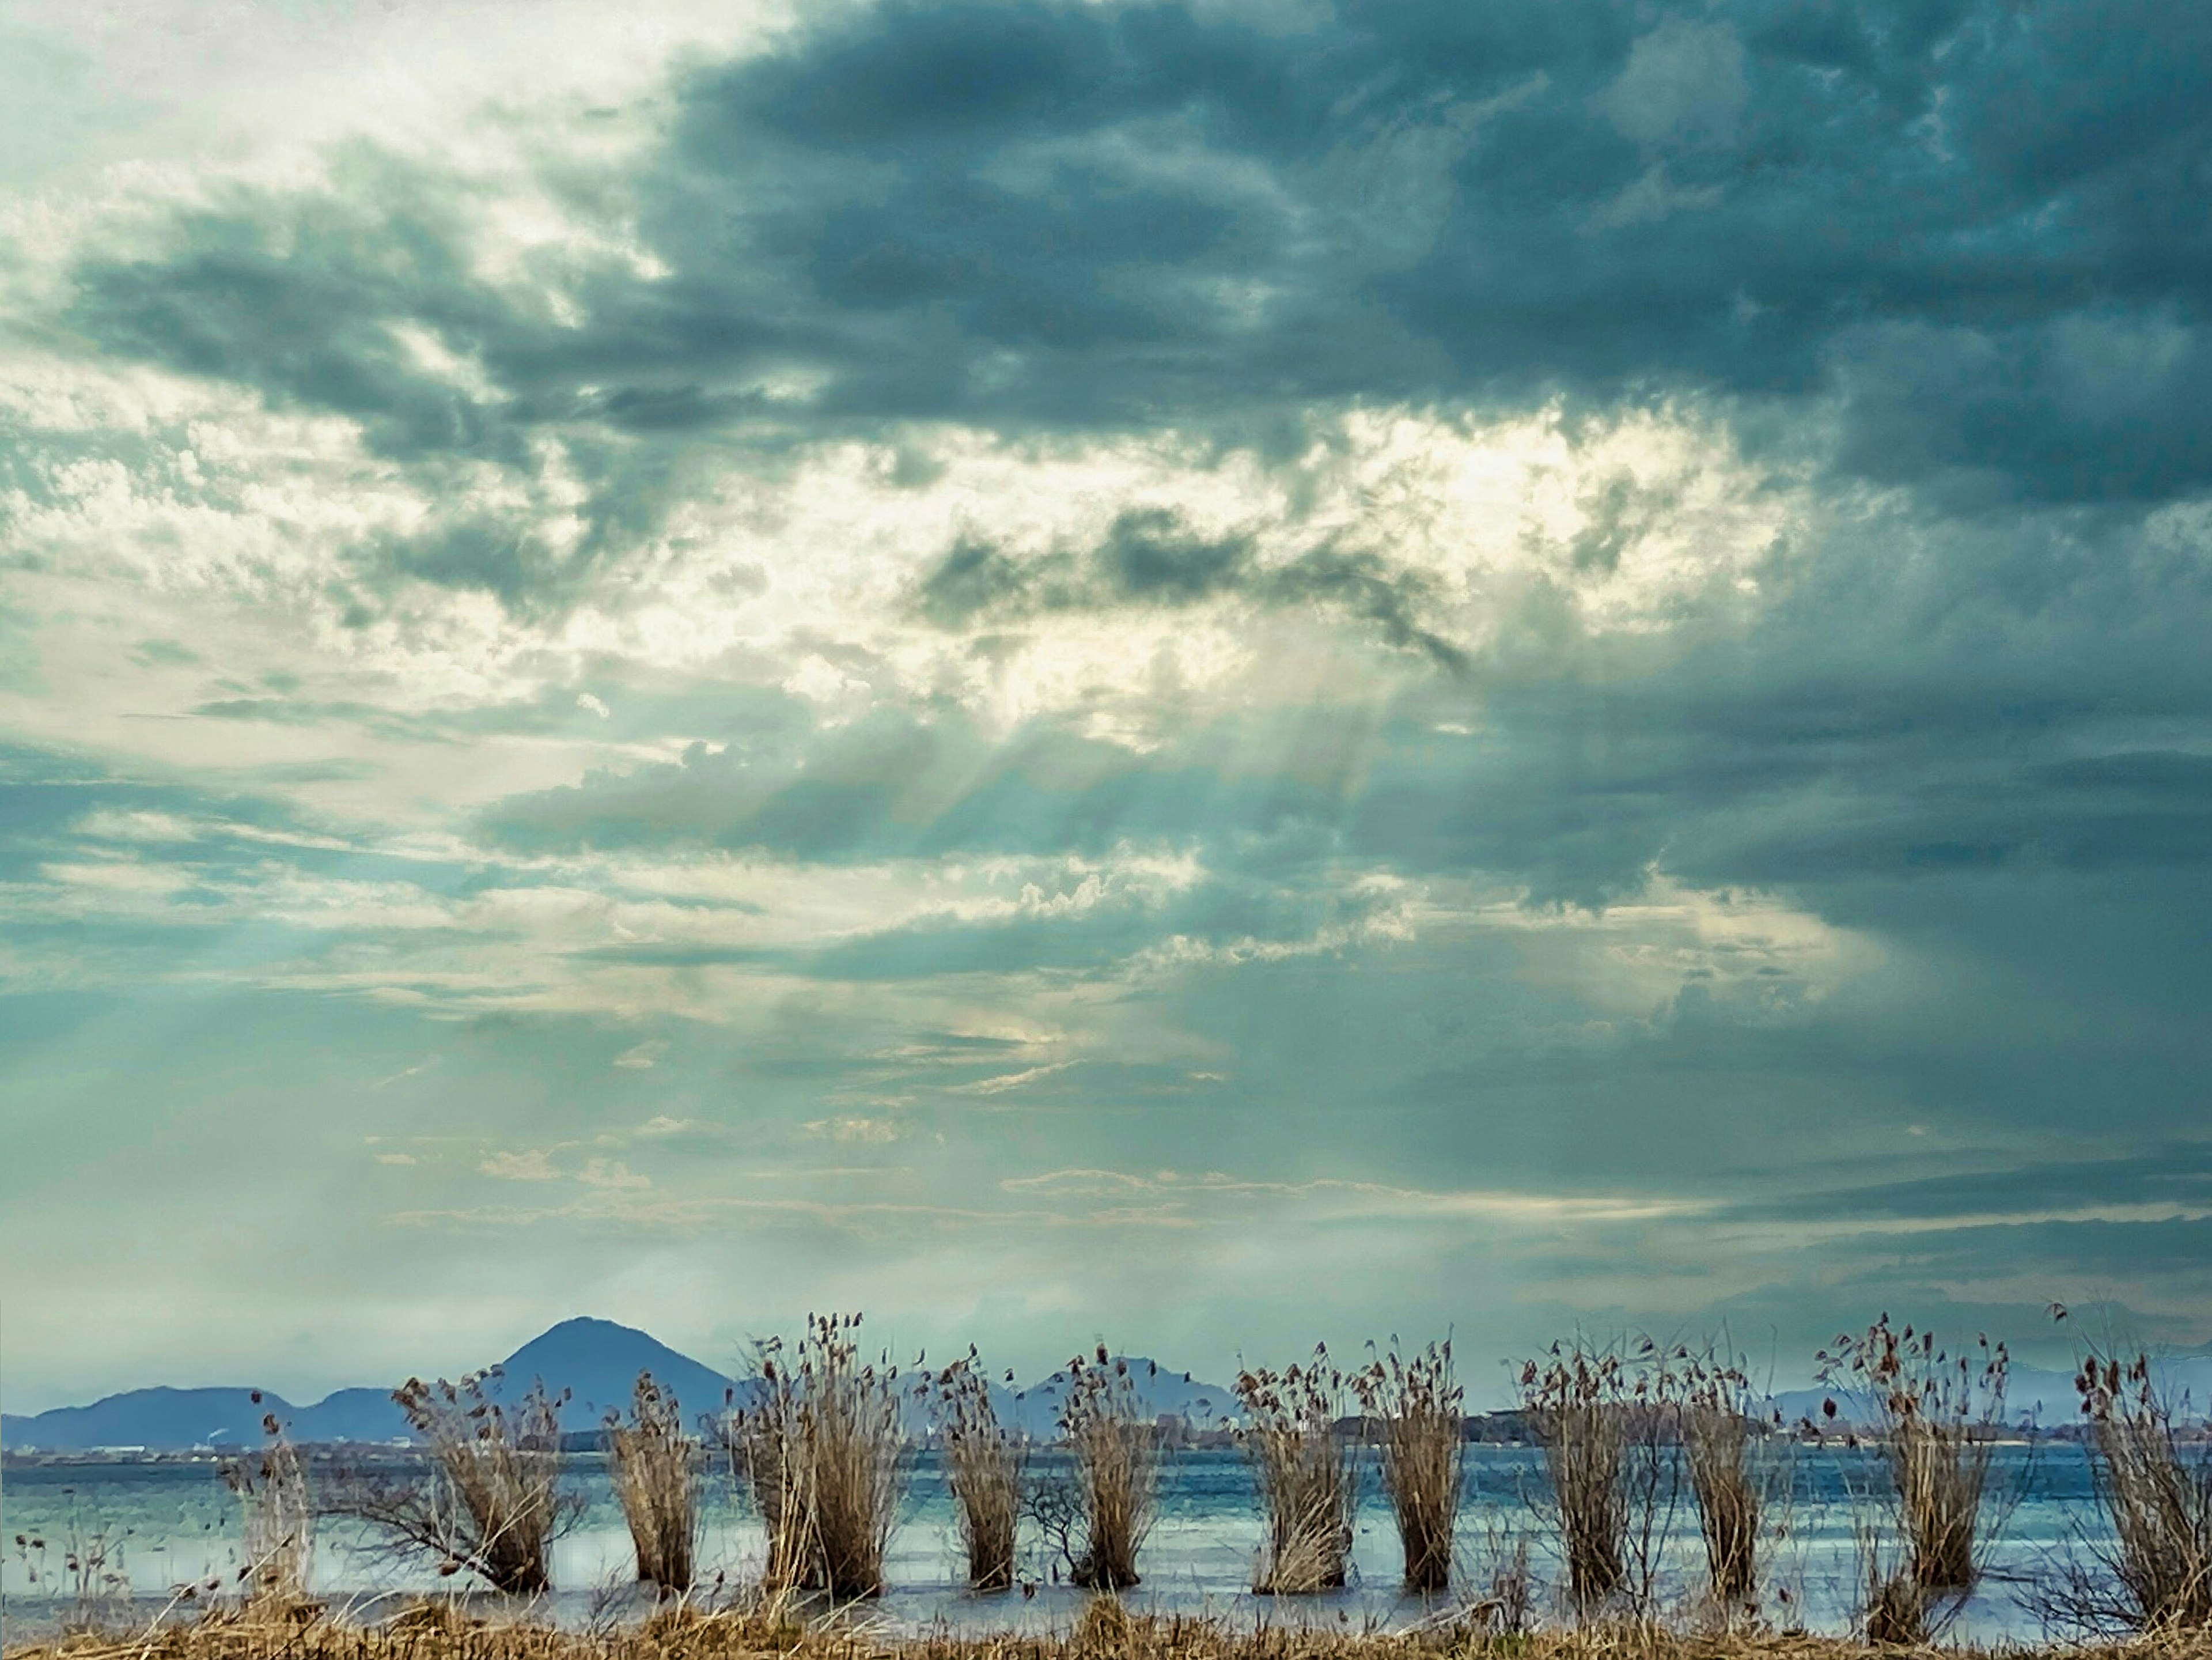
(1104,1629)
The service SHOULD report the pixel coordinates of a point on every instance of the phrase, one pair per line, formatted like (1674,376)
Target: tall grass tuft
(1576,1401)
(984,1467)
(823,1450)
(491,1504)
(1304,1475)
(1423,1426)
(1935,1419)
(272,1492)
(762,1445)
(1116,1470)
(1610,1418)
(2158,1565)
(650,1459)
(1717,1440)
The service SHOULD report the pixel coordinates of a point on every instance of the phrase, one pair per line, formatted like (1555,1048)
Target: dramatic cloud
(1070,667)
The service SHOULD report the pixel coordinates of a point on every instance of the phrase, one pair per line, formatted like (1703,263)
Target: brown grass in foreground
(272,1493)
(1303,1474)
(1421,1409)
(649,1460)
(437,1632)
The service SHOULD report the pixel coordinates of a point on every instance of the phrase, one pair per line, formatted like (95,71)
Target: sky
(1213,674)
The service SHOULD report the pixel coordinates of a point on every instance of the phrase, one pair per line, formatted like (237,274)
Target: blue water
(157,1525)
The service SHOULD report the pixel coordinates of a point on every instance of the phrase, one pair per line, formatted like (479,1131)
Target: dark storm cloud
(1978,227)
(2178,1174)
(299,297)
(2021,708)
(1151,556)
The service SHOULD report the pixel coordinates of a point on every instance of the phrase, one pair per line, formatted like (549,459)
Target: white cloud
(531,1167)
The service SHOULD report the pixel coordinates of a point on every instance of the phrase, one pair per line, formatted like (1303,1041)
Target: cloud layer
(1542,663)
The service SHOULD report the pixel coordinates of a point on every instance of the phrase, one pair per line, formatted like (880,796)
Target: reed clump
(1303,1472)
(651,1461)
(277,1516)
(823,1450)
(1576,1402)
(2158,1564)
(491,1504)
(1718,1437)
(1418,1405)
(1936,1417)
(1611,1420)
(984,1466)
(1116,1467)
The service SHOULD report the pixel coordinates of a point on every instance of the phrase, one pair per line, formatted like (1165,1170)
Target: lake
(171,1521)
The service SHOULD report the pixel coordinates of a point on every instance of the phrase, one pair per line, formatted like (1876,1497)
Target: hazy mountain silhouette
(1036,1410)
(596,1360)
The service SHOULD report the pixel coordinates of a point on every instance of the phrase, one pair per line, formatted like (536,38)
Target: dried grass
(650,1461)
(984,1467)
(491,1504)
(2155,1573)
(1936,1417)
(1304,1474)
(277,1517)
(1578,1401)
(1424,1425)
(823,1450)
(1717,1432)
(1116,1468)
(1106,1632)
(1611,1419)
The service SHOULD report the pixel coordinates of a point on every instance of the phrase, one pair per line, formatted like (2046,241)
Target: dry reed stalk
(2159,1561)
(1897,1607)
(762,1443)
(650,1460)
(1576,1402)
(1611,1422)
(1935,1419)
(492,1503)
(1424,1428)
(272,1492)
(824,1450)
(1303,1474)
(1107,1631)
(984,1467)
(1116,1470)
(1717,1445)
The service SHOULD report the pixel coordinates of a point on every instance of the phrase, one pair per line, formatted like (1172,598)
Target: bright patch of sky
(1211,674)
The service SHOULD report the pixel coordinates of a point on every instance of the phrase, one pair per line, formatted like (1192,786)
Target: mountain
(2036,1393)
(1159,1391)
(596,1360)
(156,1417)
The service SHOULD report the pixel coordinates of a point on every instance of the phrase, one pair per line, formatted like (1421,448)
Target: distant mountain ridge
(2039,1394)
(596,1361)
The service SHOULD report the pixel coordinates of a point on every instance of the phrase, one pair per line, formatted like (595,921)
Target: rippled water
(171,1522)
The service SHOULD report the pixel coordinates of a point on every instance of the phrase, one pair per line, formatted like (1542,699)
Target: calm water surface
(165,1523)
